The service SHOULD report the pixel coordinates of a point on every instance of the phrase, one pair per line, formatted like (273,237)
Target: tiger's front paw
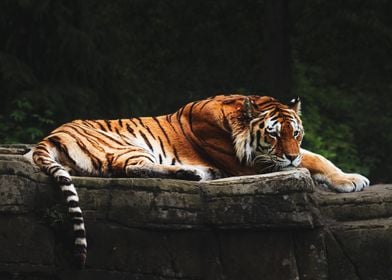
(188,174)
(347,182)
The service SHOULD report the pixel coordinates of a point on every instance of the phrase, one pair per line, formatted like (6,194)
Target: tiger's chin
(269,163)
(268,167)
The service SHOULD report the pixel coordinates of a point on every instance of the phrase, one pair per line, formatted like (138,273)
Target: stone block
(26,245)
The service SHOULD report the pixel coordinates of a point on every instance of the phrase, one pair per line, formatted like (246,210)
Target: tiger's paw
(345,182)
(188,174)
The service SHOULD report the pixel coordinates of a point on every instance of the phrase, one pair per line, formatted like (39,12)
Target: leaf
(18,115)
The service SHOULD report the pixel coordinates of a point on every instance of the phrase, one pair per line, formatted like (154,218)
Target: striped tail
(44,156)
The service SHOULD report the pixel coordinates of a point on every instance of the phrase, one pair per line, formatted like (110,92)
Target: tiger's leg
(325,171)
(142,164)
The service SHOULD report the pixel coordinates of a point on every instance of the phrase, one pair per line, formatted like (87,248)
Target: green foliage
(344,51)
(24,123)
(62,60)
(55,215)
(323,133)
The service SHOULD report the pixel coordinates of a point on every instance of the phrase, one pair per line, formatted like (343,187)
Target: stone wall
(275,226)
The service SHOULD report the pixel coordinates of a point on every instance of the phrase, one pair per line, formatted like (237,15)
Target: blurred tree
(68,59)
(276,74)
(345,51)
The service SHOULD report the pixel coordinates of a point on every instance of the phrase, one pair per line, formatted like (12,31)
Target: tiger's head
(269,133)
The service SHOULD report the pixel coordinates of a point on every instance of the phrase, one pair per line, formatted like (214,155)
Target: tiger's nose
(291,157)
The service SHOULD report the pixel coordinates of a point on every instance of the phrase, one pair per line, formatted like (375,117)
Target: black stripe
(138,156)
(42,146)
(162,147)
(80,247)
(164,132)
(179,113)
(149,131)
(75,214)
(176,155)
(120,123)
(267,103)
(108,124)
(173,161)
(169,118)
(141,122)
(190,116)
(56,141)
(99,138)
(109,163)
(73,203)
(97,163)
(130,130)
(226,124)
(80,233)
(252,138)
(38,153)
(258,135)
(171,125)
(146,140)
(68,193)
(50,169)
(195,145)
(160,159)
(204,104)
(134,157)
(77,221)
(215,147)
(121,154)
(133,122)
(87,123)
(269,107)
(100,125)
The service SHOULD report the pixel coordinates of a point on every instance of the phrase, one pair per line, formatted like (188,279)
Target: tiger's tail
(44,156)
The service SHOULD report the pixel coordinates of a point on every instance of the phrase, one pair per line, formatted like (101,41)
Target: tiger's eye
(296,133)
(273,134)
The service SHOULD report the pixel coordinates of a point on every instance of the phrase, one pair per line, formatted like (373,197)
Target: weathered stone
(257,255)
(25,244)
(272,226)
(99,274)
(371,203)
(368,248)
(262,211)
(310,252)
(96,202)
(128,249)
(15,197)
(339,263)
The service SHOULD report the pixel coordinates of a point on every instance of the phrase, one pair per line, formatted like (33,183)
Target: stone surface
(273,226)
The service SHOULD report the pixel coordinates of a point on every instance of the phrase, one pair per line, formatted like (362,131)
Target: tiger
(217,137)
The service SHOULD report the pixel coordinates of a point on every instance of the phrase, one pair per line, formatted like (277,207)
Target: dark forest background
(69,59)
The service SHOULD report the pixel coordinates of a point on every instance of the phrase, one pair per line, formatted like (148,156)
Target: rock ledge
(277,225)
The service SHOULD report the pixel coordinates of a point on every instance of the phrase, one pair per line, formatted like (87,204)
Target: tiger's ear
(295,104)
(249,109)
